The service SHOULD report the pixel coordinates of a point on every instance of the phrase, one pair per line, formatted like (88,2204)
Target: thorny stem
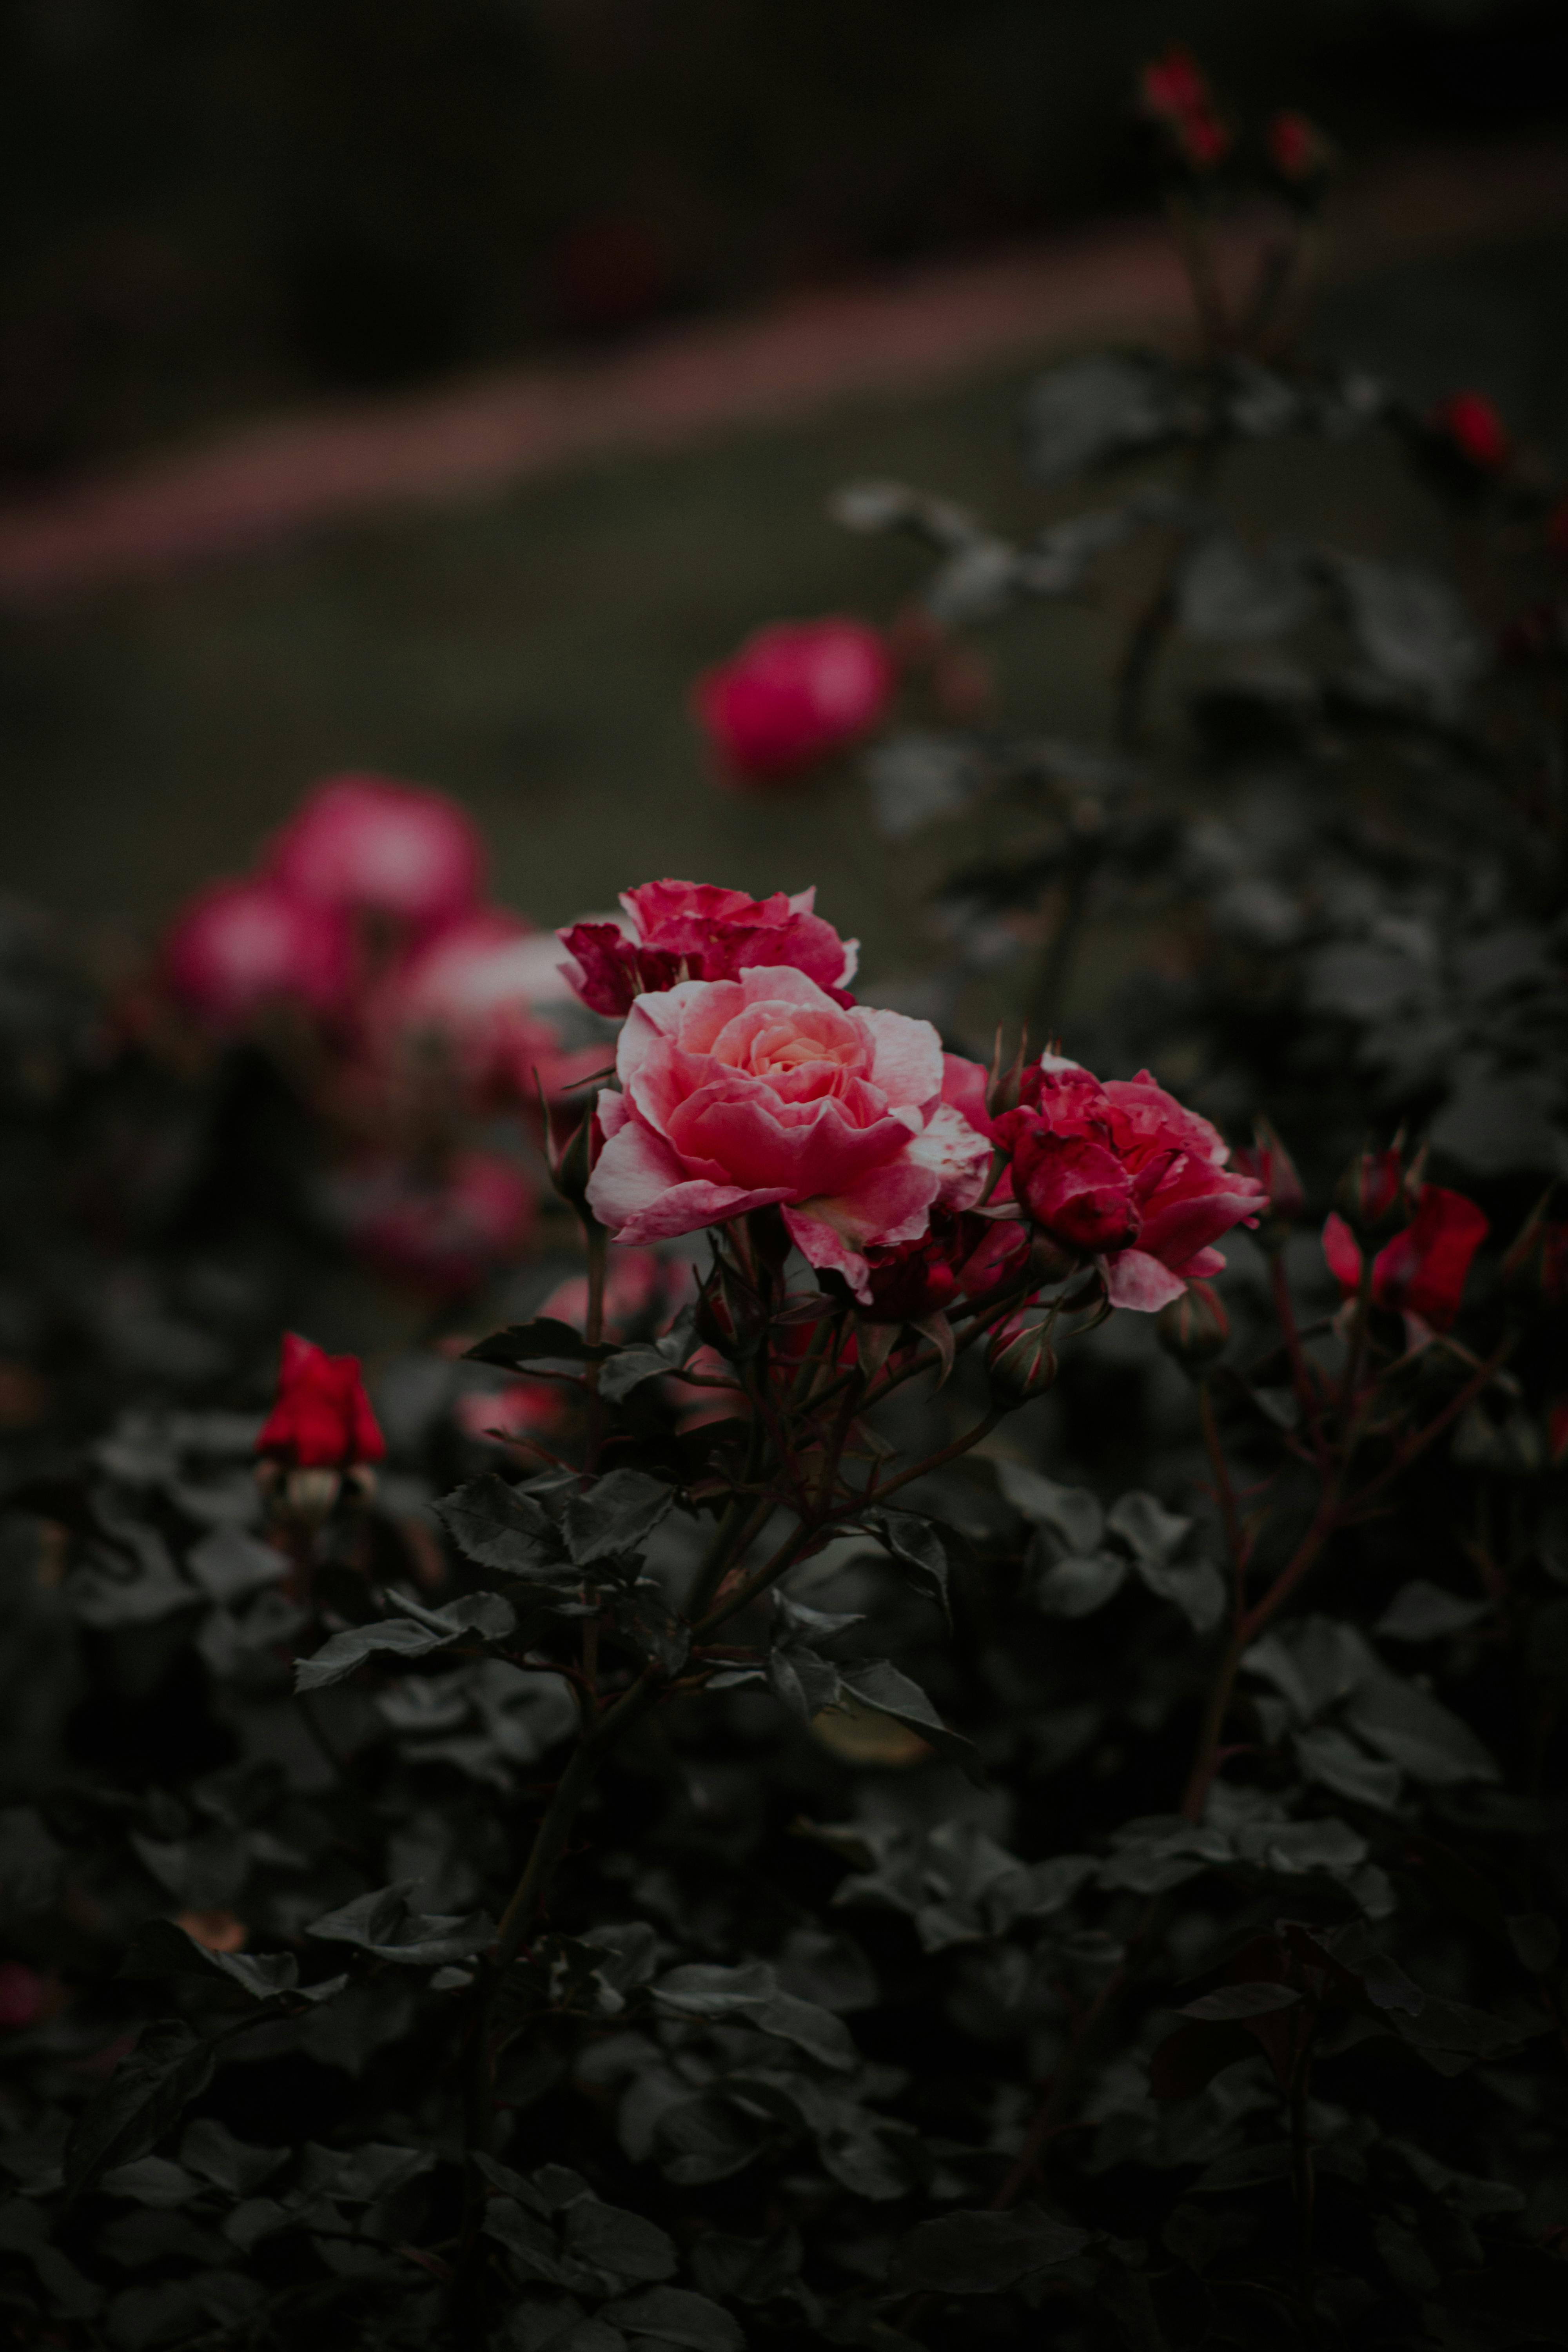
(1301,1380)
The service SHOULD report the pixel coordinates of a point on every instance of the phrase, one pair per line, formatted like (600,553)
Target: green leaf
(1418,1733)
(381,1922)
(1070,1513)
(339,1656)
(617,1515)
(544,1340)
(1151,1534)
(924,1546)
(674,2314)
(210,2148)
(1421,1611)
(1335,1760)
(702,1988)
(1078,1586)
(152,2180)
(1091,411)
(623,2243)
(983,2253)
(1238,2001)
(882,1686)
(142,2098)
(501,1525)
(1196,1589)
(161,1948)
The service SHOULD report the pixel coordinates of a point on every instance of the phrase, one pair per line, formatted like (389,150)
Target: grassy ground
(532,654)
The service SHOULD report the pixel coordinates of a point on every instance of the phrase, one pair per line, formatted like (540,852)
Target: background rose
(740,1093)
(697,930)
(1123,1173)
(795,693)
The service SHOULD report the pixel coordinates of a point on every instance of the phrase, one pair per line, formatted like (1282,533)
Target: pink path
(256,484)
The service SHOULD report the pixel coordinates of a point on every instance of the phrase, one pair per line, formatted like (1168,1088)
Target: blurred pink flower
(795,693)
(379,848)
(238,947)
(443,1232)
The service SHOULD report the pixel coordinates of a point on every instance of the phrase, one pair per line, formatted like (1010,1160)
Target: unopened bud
(1535,1268)
(1004,1086)
(1193,1329)
(1371,1194)
(1267,1161)
(1050,1261)
(1021,1366)
(573,1165)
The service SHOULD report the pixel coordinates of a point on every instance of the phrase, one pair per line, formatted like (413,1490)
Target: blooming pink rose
(737,1094)
(795,694)
(696,930)
(1422,1271)
(1123,1174)
(368,843)
(238,947)
(487,995)
(445,1232)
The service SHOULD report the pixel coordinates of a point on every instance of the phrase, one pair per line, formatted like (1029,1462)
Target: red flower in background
(696,931)
(321,1419)
(1173,92)
(237,949)
(796,693)
(1297,149)
(1266,1160)
(478,995)
(1422,1271)
(1469,424)
(1123,1173)
(373,846)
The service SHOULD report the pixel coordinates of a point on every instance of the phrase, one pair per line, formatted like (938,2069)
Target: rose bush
(737,1095)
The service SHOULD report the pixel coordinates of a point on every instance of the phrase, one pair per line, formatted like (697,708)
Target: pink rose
(795,694)
(1422,1271)
(737,1094)
(486,997)
(1123,1174)
(235,948)
(696,930)
(365,843)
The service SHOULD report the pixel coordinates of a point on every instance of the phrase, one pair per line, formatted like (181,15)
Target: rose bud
(1300,152)
(1020,1364)
(1268,1160)
(373,847)
(1535,1267)
(1469,426)
(319,1429)
(1174,94)
(571,1166)
(1371,1192)
(795,695)
(1422,1271)
(238,948)
(1193,1329)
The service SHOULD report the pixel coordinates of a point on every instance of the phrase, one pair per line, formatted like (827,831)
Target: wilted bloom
(373,846)
(1123,1174)
(1195,1328)
(1468,423)
(238,947)
(1421,1271)
(696,931)
(321,1417)
(737,1094)
(963,1257)
(796,693)
(442,1230)
(1298,150)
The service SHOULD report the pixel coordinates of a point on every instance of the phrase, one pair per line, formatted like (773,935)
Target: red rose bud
(575,1161)
(373,847)
(1173,93)
(1471,427)
(697,930)
(1193,1329)
(1371,1192)
(239,948)
(1298,151)
(795,695)
(1422,1271)
(321,1426)
(1020,1364)
(1268,1162)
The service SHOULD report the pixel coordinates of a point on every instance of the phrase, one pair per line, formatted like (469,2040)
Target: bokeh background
(334,212)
